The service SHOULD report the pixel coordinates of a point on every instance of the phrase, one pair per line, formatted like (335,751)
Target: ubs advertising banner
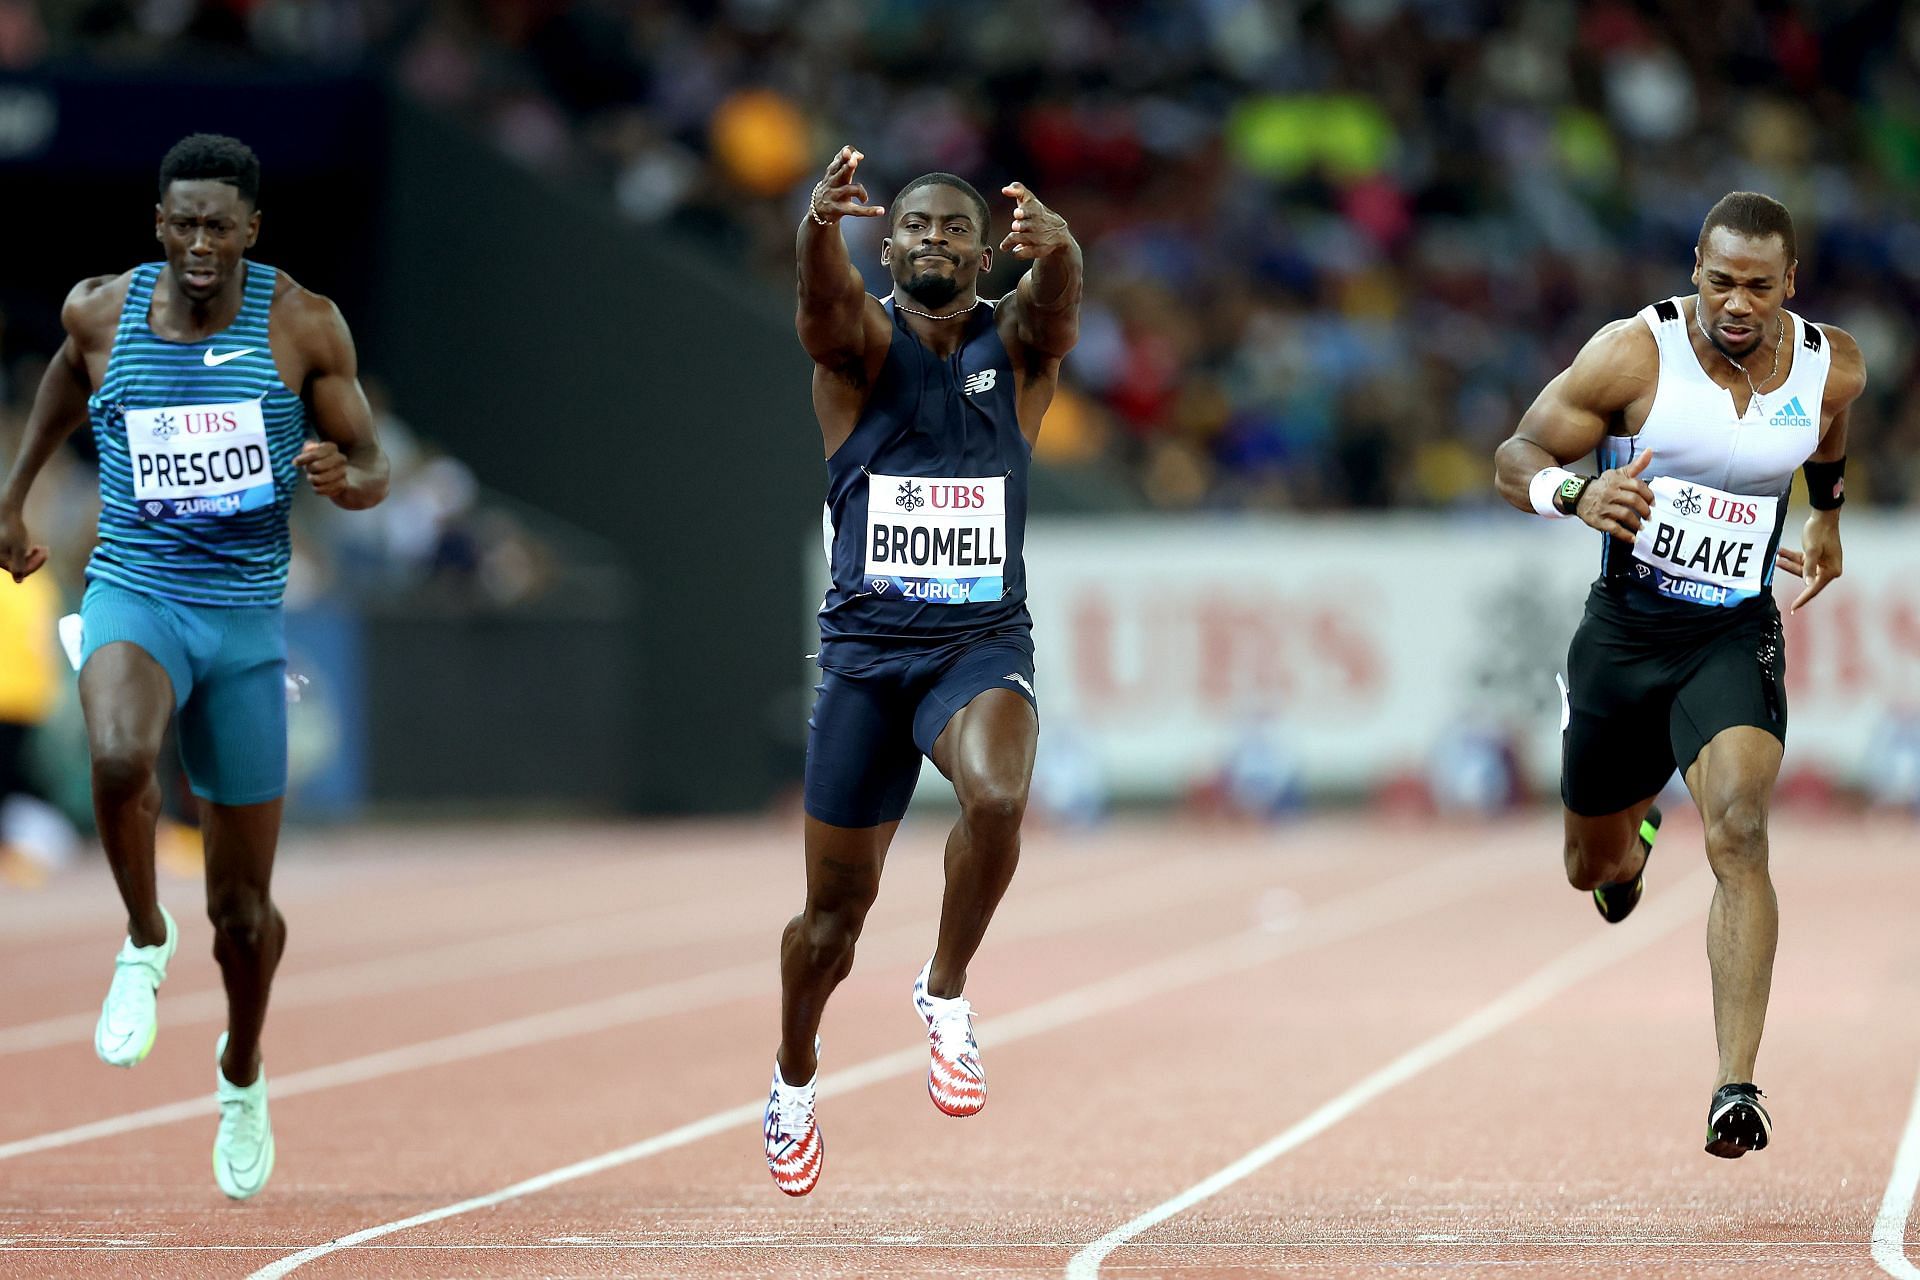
(1368,646)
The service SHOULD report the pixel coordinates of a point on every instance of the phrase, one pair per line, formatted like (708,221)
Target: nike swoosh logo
(213,359)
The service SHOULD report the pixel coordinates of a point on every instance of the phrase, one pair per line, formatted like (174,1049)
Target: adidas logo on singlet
(1790,415)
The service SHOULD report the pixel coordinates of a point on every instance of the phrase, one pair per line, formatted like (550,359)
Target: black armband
(1826,484)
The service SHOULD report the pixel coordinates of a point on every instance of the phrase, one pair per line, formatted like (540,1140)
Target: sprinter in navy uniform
(928,402)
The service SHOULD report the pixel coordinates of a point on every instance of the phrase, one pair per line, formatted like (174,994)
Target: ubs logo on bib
(164,428)
(1688,502)
(909,498)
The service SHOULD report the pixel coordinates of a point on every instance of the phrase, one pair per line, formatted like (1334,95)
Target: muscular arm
(1046,302)
(1846,379)
(1819,560)
(60,404)
(842,329)
(59,408)
(1569,418)
(348,466)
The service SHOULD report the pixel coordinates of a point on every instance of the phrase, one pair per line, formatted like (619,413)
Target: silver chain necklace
(901,306)
(1779,332)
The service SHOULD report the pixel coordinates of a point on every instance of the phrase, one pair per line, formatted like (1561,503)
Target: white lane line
(498,955)
(1401,898)
(567,942)
(1890,1226)
(1744,1248)
(1655,921)
(1062,909)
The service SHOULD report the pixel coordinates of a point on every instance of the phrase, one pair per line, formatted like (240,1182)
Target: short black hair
(959,184)
(213,156)
(1748,213)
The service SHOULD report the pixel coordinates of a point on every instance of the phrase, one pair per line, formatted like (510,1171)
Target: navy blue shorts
(868,732)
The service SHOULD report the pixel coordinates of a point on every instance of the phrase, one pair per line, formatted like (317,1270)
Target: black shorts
(868,732)
(1643,699)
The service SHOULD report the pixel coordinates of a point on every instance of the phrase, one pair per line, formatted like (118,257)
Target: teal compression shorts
(228,666)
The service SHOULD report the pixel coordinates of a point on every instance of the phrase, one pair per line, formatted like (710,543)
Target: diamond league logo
(909,498)
(163,427)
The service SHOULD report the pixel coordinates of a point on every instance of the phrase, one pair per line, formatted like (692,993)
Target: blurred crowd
(1334,246)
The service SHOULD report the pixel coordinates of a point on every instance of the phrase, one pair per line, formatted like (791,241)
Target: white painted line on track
(1065,908)
(1890,1225)
(547,946)
(1654,921)
(1416,893)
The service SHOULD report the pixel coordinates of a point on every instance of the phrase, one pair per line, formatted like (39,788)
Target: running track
(1334,1049)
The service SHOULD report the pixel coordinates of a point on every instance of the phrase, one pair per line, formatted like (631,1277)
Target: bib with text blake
(937,540)
(1702,545)
(193,461)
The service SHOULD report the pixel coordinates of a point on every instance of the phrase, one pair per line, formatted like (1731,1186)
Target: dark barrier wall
(80,154)
(579,363)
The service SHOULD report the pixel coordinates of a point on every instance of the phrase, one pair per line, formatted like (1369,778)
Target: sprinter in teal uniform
(204,377)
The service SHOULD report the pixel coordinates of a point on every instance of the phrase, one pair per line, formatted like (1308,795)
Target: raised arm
(59,408)
(1569,419)
(346,465)
(837,322)
(1046,303)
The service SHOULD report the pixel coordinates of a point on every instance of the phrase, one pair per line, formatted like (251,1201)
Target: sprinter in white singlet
(1699,409)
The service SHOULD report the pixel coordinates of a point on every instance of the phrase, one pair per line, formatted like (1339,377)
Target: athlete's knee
(993,806)
(1590,864)
(1737,838)
(826,938)
(121,768)
(244,920)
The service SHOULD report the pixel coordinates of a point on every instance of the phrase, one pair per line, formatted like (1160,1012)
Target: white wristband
(1545,483)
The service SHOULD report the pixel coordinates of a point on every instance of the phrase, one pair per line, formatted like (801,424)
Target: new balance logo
(1791,414)
(981,381)
(1021,680)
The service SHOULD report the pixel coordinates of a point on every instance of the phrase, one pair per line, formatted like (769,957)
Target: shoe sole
(1739,1131)
(947,1110)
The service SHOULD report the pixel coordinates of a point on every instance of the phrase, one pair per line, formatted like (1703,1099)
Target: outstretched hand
(837,195)
(1618,500)
(1037,230)
(1818,562)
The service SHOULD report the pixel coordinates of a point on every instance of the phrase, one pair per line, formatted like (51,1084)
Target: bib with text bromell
(1703,545)
(936,540)
(201,460)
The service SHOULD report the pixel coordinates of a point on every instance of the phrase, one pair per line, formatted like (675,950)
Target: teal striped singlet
(196,442)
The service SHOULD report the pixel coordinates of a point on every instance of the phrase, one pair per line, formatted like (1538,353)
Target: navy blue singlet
(926,509)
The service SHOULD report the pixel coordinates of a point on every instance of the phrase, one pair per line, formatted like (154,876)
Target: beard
(932,290)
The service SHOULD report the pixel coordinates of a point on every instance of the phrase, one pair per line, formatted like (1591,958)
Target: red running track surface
(1336,1048)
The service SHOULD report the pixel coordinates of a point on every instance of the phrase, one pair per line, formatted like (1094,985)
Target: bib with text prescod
(1703,545)
(192,461)
(936,540)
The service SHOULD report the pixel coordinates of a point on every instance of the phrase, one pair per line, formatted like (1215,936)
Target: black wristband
(1826,484)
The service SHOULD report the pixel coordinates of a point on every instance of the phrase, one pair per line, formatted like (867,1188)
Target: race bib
(936,540)
(199,460)
(1702,545)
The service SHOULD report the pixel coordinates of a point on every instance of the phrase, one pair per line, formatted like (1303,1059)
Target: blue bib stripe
(230,548)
